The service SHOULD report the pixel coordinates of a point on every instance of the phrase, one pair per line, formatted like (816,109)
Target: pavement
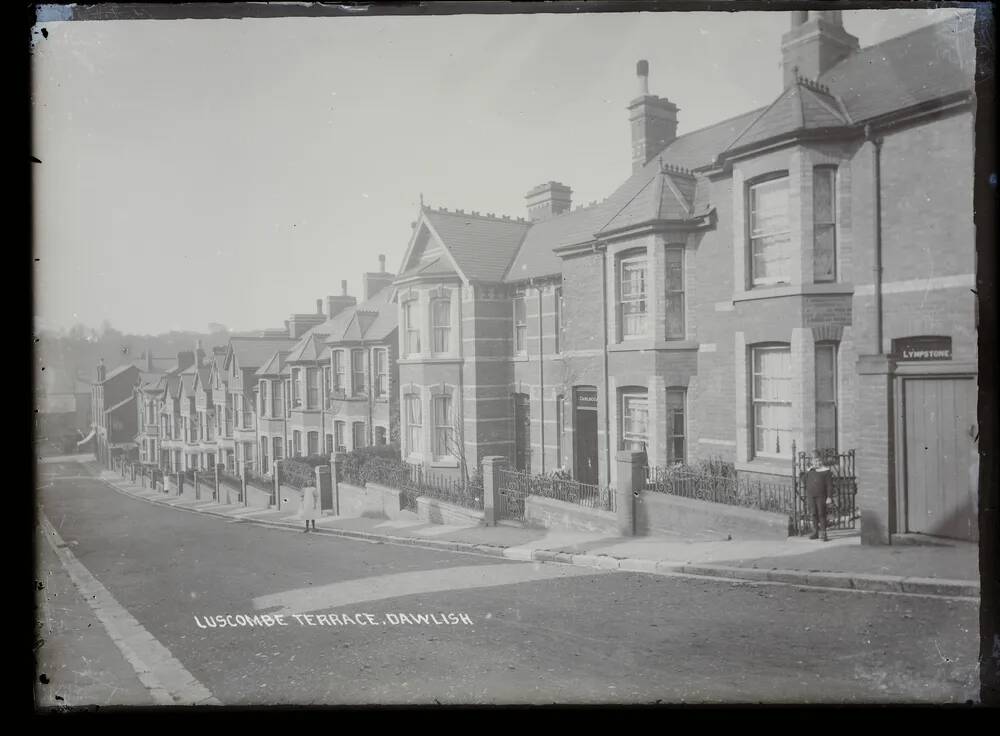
(177,602)
(949,569)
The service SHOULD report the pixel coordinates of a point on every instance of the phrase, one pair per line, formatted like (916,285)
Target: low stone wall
(552,514)
(441,512)
(258,498)
(357,501)
(188,491)
(390,500)
(656,513)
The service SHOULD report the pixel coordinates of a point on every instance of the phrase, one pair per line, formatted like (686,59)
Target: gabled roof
(434,267)
(124,368)
(172,385)
(273,366)
(187,383)
(481,246)
(307,349)
(253,352)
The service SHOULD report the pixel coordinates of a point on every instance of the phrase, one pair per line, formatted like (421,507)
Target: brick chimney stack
(102,371)
(548,200)
(337,304)
(653,120)
(375,282)
(816,43)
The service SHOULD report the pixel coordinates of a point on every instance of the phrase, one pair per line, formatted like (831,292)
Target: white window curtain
(772,401)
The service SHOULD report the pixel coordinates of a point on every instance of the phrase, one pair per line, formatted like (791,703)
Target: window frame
(357,390)
(296,397)
(313,393)
(339,374)
(414,425)
(557,319)
(834,348)
(830,225)
(312,443)
(339,430)
(355,435)
(440,333)
(635,394)
(756,402)
(443,433)
(411,327)
(671,433)
(520,329)
(626,260)
(381,356)
(672,294)
(752,186)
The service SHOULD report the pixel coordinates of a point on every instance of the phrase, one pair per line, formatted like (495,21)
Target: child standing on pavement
(308,511)
(818,481)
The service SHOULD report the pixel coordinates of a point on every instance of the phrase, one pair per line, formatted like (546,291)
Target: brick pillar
(334,484)
(491,488)
(324,488)
(243,487)
(197,486)
(180,483)
(218,487)
(628,482)
(875,458)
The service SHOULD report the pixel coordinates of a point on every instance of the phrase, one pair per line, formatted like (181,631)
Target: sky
(234,171)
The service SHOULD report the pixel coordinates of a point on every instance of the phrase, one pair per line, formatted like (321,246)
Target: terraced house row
(799,274)
(324,383)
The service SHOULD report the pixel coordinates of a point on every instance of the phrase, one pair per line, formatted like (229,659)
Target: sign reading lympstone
(265,621)
(923,347)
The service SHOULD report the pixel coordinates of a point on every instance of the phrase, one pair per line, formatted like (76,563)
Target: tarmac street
(144,603)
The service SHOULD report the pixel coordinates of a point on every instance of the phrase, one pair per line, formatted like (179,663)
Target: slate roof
(253,352)
(120,404)
(372,320)
(273,365)
(119,370)
(482,246)
(307,349)
(804,105)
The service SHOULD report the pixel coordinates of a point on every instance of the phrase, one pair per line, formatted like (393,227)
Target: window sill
(773,292)
(417,359)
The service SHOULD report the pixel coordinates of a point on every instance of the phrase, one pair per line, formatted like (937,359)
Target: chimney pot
(642,72)
(381,264)
(653,120)
(319,306)
(343,287)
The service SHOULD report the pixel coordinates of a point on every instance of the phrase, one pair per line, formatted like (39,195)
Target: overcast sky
(235,171)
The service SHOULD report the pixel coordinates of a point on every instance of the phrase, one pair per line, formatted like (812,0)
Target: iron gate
(842,512)
(514,488)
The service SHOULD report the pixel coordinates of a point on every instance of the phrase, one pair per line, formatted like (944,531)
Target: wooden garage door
(941,468)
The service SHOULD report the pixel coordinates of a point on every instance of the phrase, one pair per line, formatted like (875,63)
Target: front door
(940,435)
(522,433)
(585,436)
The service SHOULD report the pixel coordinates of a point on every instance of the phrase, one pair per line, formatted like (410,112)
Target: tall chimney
(101,371)
(337,304)
(653,120)
(548,200)
(319,306)
(816,43)
(375,282)
(343,287)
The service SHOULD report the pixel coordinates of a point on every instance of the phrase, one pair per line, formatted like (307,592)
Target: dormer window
(770,233)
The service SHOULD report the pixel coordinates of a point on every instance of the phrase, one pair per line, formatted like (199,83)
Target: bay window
(632,302)
(675,293)
(312,388)
(772,403)
(635,421)
(441,325)
(296,388)
(770,233)
(338,371)
(381,373)
(676,441)
(358,371)
(826,396)
(263,398)
(824,224)
(277,389)
(411,328)
(414,423)
(443,429)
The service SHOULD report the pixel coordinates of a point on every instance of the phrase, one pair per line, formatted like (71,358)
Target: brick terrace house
(113,410)
(793,274)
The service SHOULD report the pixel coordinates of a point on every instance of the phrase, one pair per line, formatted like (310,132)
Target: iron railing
(842,511)
(229,479)
(732,490)
(411,480)
(519,484)
(258,481)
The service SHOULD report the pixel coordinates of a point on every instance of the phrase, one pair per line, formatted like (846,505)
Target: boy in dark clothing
(818,482)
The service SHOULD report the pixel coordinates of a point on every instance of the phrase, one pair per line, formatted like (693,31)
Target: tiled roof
(252,352)
(482,246)
(273,365)
(802,106)
(924,65)
(536,258)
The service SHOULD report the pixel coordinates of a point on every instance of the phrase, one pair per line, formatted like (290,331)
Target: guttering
(877,206)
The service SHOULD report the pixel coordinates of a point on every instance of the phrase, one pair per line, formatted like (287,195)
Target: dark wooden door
(522,433)
(941,465)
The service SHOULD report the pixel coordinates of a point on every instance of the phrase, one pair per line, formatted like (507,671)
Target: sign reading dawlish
(923,347)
